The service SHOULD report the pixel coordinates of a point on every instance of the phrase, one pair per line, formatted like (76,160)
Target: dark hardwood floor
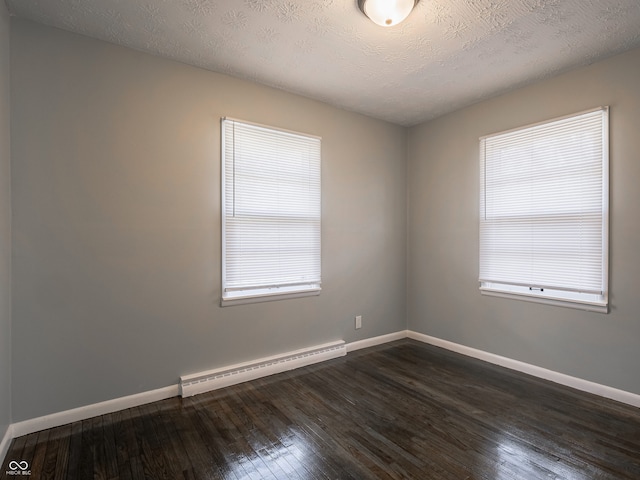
(401,410)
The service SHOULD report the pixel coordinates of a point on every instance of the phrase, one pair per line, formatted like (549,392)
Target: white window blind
(271,211)
(544,210)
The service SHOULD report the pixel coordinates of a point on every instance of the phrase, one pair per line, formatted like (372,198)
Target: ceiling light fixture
(387,13)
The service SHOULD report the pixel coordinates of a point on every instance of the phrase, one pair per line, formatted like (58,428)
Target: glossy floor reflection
(401,410)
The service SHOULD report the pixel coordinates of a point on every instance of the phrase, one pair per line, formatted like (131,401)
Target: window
(544,212)
(270,213)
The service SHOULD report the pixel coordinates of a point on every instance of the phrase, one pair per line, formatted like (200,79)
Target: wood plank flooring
(400,410)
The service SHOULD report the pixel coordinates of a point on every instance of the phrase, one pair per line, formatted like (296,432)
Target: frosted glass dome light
(387,13)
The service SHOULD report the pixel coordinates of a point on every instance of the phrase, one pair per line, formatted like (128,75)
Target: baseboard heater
(243,372)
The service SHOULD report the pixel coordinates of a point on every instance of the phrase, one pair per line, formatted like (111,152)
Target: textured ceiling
(447,54)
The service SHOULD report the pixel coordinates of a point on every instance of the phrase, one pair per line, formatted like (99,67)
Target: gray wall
(5,227)
(443,185)
(116,239)
(116,223)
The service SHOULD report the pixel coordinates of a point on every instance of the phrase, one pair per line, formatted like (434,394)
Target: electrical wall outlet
(358,322)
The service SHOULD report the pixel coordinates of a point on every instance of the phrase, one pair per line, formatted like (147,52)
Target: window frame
(558,297)
(271,292)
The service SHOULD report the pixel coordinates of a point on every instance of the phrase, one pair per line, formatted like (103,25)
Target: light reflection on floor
(288,458)
(516,461)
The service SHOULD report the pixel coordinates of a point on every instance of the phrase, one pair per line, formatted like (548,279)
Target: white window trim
(506,291)
(267,294)
(556,297)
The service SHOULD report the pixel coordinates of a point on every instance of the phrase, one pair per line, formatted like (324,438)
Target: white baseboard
(82,413)
(373,341)
(5,443)
(556,377)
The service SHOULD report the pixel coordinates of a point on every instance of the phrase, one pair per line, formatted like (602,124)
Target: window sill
(268,297)
(587,306)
